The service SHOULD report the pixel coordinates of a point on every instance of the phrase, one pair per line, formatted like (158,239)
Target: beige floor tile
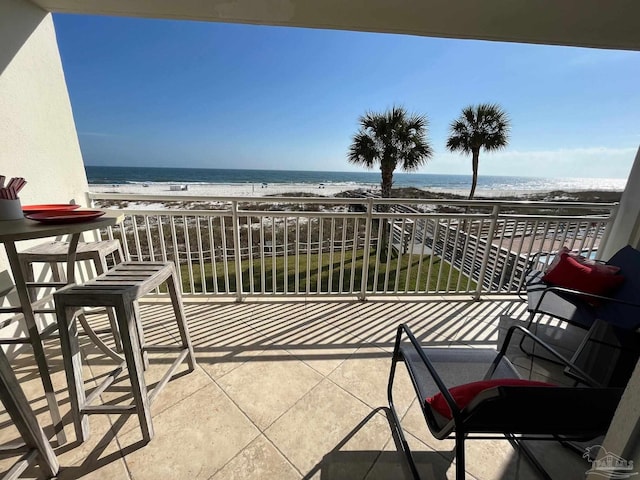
(219,362)
(332,431)
(324,421)
(8,432)
(366,375)
(476,332)
(485,459)
(182,385)
(272,318)
(414,423)
(32,472)
(392,463)
(375,323)
(259,460)
(222,338)
(559,461)
(332,312)
(324,359)
(220,326)
(344,465)
(497,460)
(268,385)
(321,345)
(193,439)
(441,317)
(112,470)
(29,379)
(101,443)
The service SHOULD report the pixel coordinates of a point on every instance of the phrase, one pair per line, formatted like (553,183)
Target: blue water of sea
(136,175)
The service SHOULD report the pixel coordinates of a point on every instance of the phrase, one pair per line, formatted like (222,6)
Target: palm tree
(481,126)
(391,139)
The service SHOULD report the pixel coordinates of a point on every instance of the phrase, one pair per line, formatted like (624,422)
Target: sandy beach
(228,189)
(274,189)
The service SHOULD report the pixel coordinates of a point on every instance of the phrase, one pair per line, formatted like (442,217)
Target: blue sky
(193,94)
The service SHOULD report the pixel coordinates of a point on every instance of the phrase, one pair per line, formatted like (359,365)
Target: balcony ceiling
(586,23)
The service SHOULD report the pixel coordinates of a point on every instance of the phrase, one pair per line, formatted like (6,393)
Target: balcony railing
(351,246)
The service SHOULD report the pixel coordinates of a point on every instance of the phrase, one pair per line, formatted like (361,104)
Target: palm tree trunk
(387,182)
(385,186)
(474,166)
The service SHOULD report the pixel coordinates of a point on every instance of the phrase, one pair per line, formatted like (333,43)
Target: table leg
(35,340)
(24,419)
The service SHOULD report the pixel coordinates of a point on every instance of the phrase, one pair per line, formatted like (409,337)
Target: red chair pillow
(601,267)
(463,394)
(572,273)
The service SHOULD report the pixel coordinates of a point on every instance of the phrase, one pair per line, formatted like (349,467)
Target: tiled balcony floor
(287,390)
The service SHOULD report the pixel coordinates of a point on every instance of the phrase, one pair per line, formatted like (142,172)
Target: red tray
(71,216)
(49,207)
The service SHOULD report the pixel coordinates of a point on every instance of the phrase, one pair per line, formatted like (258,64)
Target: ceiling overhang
(586,23)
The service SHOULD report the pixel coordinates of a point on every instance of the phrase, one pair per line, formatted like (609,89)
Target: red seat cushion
(463,394)
(572,273)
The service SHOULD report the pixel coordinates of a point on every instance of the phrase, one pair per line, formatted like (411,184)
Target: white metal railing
(352,246)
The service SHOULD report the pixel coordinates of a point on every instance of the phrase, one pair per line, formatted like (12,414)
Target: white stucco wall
(38,139)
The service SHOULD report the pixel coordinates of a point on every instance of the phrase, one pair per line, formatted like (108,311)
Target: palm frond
(484,126)
(391,139)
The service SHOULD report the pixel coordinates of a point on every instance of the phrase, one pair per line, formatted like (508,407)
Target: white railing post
(613,213)
(487,250)
(236,247)
(367,250)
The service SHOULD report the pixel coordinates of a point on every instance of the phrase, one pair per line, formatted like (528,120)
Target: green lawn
(308,271)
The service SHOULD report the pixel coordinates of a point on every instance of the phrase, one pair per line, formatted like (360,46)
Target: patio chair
(621,309)
(513,407)
(617,312)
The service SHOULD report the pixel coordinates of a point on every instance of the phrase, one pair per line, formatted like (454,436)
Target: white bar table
(12,231)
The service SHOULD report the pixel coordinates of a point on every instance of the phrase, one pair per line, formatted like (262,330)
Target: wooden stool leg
(24,419)
(138,318)
(57,273)
(100,263)
(120,254)
(129,332)
(68,329)
(27,268)
(178,310)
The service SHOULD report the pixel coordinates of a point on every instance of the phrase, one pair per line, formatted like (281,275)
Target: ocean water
(149,175)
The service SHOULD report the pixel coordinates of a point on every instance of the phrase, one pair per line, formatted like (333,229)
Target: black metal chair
(622,309)
(517,412)
(620,312)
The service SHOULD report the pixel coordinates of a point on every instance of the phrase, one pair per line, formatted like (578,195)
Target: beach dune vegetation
(484,126)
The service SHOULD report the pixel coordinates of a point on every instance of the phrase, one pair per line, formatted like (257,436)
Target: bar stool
(36,447)
(54,253)
(120,288)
